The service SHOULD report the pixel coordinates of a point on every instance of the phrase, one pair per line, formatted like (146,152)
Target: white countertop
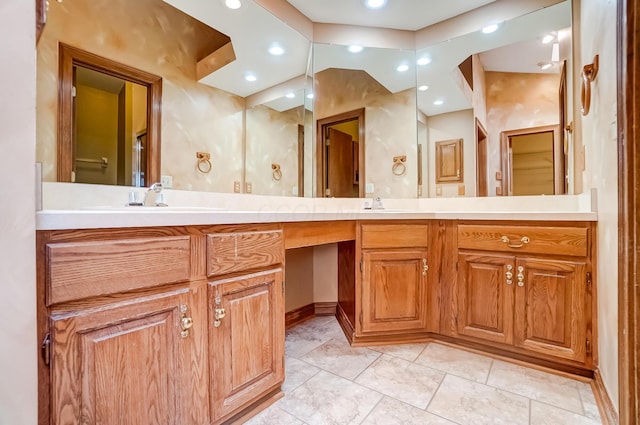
(75,206)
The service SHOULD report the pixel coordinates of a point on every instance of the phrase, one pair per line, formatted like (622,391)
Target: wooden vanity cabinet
(527,288)
(393,278)
(246,328)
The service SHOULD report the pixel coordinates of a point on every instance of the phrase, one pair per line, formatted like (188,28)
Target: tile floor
(329,382)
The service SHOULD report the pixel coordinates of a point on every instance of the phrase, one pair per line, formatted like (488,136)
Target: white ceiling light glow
(276,50)
(545,65)
(375,4)
(355,48)
(310,96)
(490,28)
(290,95)
(548,38)
(424,61)
(233,4)
(402,68)
(250,77)
(423,88)
(438,102)
(555,52)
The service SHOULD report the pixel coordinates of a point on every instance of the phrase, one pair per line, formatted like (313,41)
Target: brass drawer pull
(218,313)
(186,322)
(524,240)
(424,267)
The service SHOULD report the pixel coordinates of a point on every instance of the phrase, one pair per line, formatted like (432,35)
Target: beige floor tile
(310,335)
(471,403)
(393,412)
(297,373)
(536,385)
(404,351)
(274,415)
(328,399)
(402,380)
(456,362)
(544,414)
(340,358)
(588,400)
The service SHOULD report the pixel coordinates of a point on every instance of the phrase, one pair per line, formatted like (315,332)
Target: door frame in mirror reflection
(322,152)
(557,158)
(482,182)
(70,57)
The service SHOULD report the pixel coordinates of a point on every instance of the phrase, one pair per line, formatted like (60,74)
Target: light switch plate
(439,191)
(248,187)
(166,181)
(236,187)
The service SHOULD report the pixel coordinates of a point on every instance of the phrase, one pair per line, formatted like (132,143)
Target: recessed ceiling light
(424,61)
(355,48)
(276,50)
(490,28)
(250,77)
(290,95)
(402,68)
(233,4)
(310,96)
(423,88)
(375,4)
(438,102)
(545,65)
(548,38)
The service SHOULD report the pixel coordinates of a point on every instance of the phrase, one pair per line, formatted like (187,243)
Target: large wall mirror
(262,105)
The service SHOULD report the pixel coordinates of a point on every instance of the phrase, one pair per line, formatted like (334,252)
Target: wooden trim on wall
(628,62)
(309,311)
(607,409)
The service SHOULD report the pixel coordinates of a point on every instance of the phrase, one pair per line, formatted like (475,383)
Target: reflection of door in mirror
(481,160)
(449,164)
(532,161)
(341,155)
(109,121)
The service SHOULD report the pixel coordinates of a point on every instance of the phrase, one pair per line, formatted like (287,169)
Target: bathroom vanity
(186,308)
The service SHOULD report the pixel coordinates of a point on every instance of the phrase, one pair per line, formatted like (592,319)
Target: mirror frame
(70,57)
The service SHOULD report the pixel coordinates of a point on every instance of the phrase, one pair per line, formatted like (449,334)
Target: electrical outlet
(248,187)
(166,181)
(236,187)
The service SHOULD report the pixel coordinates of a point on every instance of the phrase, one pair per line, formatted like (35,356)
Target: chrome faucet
(154,196)
(377,204)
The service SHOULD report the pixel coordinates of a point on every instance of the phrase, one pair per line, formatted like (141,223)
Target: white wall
(18,349)
(598,36)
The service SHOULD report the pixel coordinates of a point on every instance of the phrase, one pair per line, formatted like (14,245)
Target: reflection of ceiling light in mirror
(555,52)
(424,61)
(276,50)
(290,95)
(548,38)
(438,102)
(402,68)
(423,88)
(250,77)
(310,96)
(233,4)
(545,65)
(355,48)
(490,28)
(375,4)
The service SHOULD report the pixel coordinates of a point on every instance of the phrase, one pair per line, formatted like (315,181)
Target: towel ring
(277,172)
(399,168)
(589,73)
(204,162)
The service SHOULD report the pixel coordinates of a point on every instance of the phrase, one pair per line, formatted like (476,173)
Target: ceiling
(253,30)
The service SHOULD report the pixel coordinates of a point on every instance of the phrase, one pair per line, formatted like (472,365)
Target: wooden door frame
(628,82)
(504,155)
(485,180)
(321,125)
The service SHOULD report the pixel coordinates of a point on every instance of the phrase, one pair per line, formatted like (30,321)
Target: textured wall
(152,36)
(390,121)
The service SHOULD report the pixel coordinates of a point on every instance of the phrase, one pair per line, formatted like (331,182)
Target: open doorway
(532,161)
(481,160)
(340,155)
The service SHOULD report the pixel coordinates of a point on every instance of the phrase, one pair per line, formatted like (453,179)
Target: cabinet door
(246,339)
(120,364)
(485,297)
(550,307)
(394,291)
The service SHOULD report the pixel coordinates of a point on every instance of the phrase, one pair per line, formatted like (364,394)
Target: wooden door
(485,297)
(550,307)
(394,291)
(340,165)
(246,341)
(121,364)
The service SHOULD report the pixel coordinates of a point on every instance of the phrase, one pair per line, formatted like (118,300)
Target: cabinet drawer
(80,270)
(394,235)
(570,241)
(232,252)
